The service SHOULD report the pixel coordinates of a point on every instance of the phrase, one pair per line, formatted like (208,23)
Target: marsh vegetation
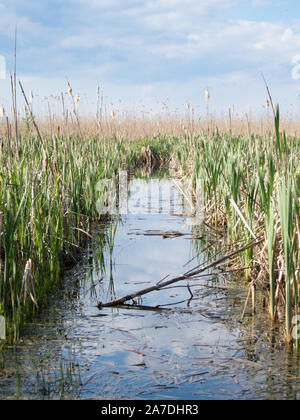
(51,165)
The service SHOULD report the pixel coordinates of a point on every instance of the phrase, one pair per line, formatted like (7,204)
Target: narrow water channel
(192,347)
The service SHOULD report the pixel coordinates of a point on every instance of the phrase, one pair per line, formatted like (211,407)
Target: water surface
(192,347)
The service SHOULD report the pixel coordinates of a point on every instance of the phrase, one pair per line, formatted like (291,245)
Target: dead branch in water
(188,275)
(138,307)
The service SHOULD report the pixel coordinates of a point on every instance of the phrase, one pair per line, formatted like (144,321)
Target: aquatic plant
(50,167)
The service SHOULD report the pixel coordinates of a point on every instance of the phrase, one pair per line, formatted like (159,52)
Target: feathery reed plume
(207,98)
(207,95)
(269,94)
(70,91)
(98,101)
(2,111)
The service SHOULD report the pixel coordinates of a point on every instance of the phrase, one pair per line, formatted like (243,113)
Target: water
(192,347)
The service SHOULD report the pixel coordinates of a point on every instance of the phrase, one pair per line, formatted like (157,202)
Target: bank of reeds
(48,200)
(252,190)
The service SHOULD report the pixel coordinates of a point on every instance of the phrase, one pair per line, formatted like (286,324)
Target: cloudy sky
(153,50)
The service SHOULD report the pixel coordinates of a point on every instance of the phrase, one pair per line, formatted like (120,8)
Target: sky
(153,52)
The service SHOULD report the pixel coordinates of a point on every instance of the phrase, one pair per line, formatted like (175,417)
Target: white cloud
(26,27)
(175,15)
(7,20)
(153,49)
(259,3)
(185,30)
(248,40)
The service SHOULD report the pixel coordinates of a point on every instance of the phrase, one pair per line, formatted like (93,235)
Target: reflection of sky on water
(165,342)
(154,197)
(123,353)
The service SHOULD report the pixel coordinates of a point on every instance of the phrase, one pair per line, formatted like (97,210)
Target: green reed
(48,200)
(260,176)
(48,197)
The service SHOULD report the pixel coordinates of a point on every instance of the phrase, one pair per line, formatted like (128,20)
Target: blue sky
(149,51)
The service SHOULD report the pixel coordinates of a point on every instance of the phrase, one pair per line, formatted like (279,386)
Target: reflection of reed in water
(95,269)
(110,244)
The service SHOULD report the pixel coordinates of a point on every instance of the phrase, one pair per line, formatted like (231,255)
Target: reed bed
(50,167)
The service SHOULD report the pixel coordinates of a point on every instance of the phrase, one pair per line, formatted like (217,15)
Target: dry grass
(135,125)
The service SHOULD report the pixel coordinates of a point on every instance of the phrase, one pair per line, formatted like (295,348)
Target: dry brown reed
(128,125)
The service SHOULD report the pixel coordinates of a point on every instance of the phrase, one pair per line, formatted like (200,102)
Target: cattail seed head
(2,111)
(31,96)
(70,90)
(267,103)
(207,95)
(77,99)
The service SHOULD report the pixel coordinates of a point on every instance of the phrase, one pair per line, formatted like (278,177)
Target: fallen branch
(188,275)
(143,308)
